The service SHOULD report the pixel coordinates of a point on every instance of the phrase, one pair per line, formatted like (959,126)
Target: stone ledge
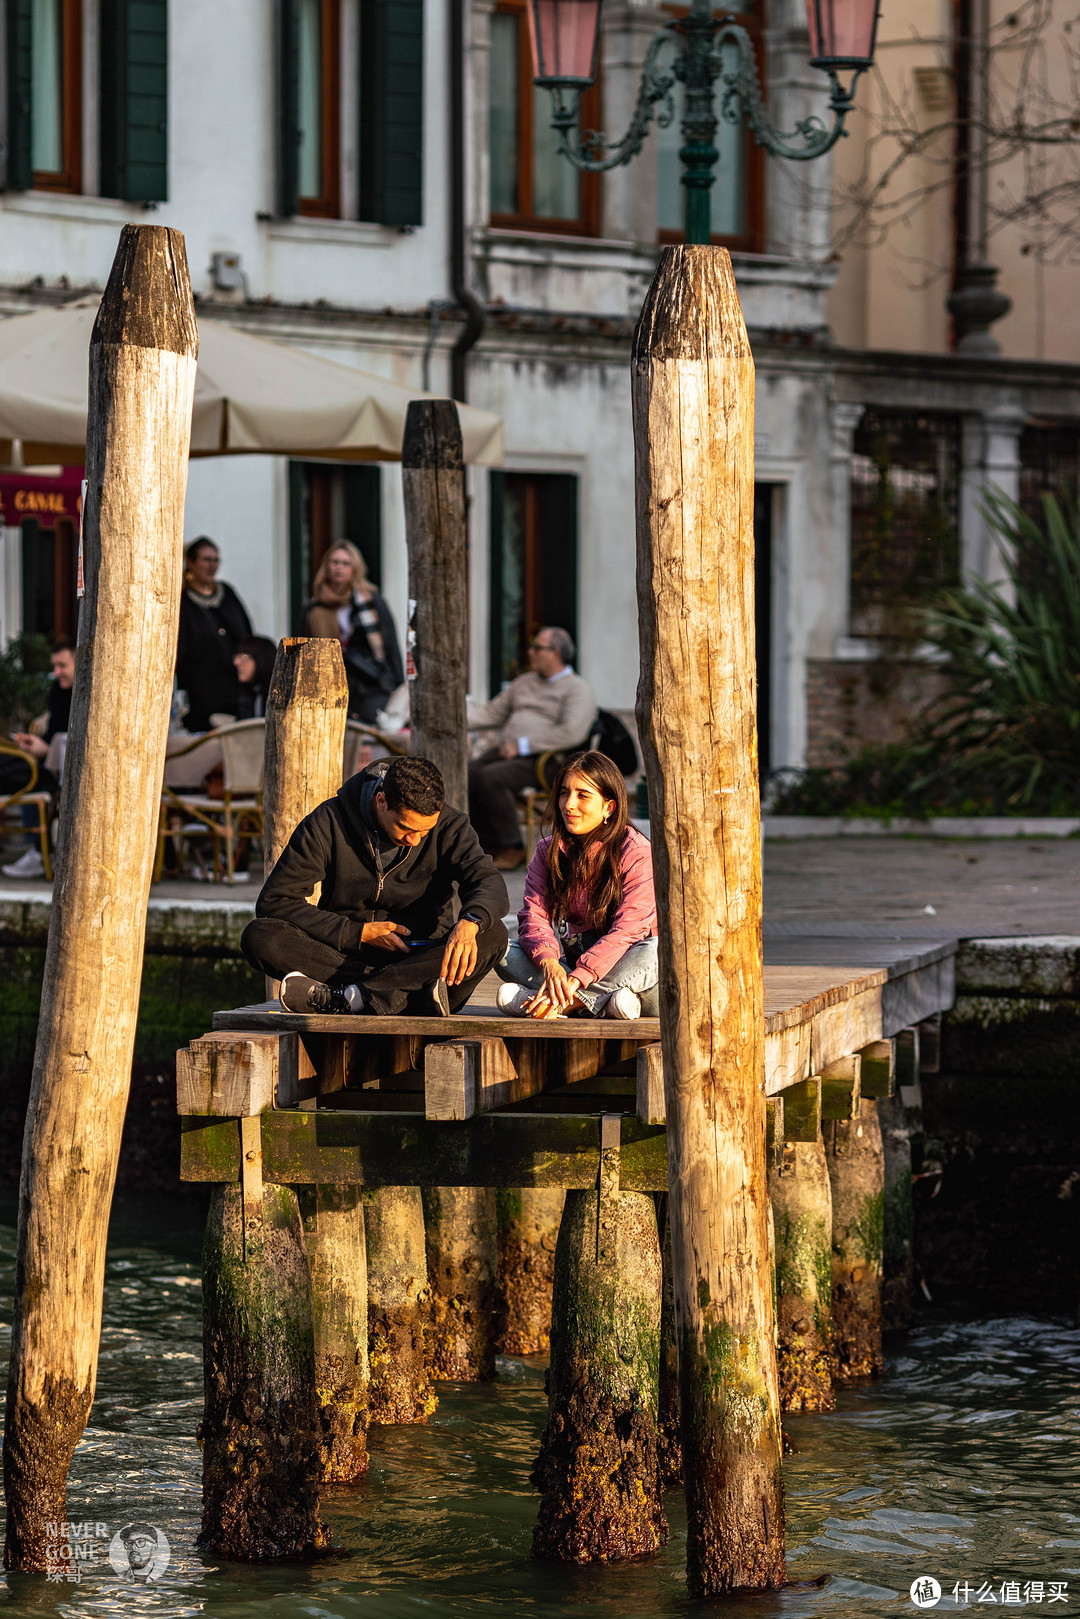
(1046,966)
(939,826)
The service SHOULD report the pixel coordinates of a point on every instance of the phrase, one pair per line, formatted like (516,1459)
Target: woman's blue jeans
(637,970)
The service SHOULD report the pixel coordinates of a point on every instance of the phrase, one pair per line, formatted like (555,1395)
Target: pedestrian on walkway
(213,621)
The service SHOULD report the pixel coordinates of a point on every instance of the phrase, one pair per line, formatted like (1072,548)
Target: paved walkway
(841,887)
(922,887)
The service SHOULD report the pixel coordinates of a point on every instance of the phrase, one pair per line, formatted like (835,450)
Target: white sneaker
(623,1003)
(29,864)
(511,999)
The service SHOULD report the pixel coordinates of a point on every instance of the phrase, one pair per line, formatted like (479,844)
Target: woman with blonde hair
(346,604)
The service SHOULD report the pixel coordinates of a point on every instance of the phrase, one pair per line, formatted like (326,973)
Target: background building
(375,180)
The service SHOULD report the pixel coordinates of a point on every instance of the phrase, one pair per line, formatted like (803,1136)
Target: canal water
(963,1466)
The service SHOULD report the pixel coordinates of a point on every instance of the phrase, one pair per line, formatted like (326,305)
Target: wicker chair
(29,797)
(238,812)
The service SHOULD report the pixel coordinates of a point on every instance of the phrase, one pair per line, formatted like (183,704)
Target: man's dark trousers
(494,783)
(394,983)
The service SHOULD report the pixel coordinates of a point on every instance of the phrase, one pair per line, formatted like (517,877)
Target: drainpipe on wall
(466,300)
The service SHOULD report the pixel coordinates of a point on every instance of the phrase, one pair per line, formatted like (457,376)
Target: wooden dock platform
(479,1099)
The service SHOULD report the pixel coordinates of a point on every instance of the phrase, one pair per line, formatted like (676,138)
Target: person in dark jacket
(213,621)
(388,852)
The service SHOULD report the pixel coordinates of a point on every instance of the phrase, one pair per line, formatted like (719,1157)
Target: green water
(964,1464)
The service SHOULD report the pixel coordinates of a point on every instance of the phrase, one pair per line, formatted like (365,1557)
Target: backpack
(611,738)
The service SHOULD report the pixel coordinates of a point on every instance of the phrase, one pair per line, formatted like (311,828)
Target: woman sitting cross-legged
(587,929)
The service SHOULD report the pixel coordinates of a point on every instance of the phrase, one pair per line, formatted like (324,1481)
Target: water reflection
(963,1464)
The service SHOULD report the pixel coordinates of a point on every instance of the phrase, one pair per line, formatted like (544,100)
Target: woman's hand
(556,994)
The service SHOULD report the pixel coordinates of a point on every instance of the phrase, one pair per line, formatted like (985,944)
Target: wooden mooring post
(285,1294)
(856,1163)
(693,403)
(142,377)
(598,1471)
(802,1210)
(528,1229)
(461,1229)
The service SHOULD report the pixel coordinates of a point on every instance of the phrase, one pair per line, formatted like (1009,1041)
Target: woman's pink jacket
(633,921)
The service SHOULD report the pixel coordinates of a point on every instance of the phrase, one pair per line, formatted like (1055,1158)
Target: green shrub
(1003,737)
(24,681)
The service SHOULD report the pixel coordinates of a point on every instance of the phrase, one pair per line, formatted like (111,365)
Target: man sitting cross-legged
(388,853)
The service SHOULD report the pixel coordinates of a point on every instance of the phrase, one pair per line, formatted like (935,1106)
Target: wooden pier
(275,1100)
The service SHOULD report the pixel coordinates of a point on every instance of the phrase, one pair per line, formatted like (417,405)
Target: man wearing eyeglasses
(549,708)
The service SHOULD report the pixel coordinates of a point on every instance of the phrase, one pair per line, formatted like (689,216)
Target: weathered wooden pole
(306,710)
(436,533)
(857,1176)
(261,1435)
(461,1246)
(528,1220)
(802,1211)
(693,401)
(334,1233)
(284,1295)
(598,1471)
(399,1312)
(142,377)
(462,1255)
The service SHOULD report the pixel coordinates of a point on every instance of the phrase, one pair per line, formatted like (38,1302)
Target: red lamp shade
(564,35)
(842,32)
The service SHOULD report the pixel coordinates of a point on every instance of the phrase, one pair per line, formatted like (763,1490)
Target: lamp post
(696,50)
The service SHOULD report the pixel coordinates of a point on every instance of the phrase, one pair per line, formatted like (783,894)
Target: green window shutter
(19,166)
(135,99)
(289,109)
(392,111)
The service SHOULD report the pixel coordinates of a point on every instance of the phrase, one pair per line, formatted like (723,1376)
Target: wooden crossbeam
(326,1147)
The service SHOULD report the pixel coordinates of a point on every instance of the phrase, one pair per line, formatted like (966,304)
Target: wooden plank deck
(824,999)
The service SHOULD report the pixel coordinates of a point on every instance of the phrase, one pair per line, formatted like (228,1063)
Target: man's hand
(508,750)
(30,744)
(385,935)
(459,957)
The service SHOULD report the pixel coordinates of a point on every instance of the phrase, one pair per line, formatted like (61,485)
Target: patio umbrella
(252,396)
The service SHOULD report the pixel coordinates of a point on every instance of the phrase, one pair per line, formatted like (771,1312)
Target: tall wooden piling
(598,1471)
(460,1220)
(528,1221)
(335,1239)
(693,400)
(306,710)
(142,378)
(461,1246)
(436,533)
(857,1176)
(261,1433)
(398,1307)
(802,1210)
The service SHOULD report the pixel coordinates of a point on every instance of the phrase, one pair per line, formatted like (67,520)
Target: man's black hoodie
(337,846)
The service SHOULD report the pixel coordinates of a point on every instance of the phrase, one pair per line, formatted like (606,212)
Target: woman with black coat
(213,621)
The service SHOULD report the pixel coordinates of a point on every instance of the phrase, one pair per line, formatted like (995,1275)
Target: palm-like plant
(1005,732)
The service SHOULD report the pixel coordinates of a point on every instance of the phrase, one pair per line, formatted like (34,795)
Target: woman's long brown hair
(586,870)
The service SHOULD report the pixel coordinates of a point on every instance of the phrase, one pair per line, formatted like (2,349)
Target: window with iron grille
(905,494)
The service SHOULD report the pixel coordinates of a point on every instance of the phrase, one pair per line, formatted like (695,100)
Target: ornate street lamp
(696,50)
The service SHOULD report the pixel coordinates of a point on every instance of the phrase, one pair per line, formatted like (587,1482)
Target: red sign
(24,495)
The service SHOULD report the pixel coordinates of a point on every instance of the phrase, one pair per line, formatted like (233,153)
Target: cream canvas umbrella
(252,396)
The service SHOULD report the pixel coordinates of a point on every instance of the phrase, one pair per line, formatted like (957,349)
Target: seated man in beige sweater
(550,707)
